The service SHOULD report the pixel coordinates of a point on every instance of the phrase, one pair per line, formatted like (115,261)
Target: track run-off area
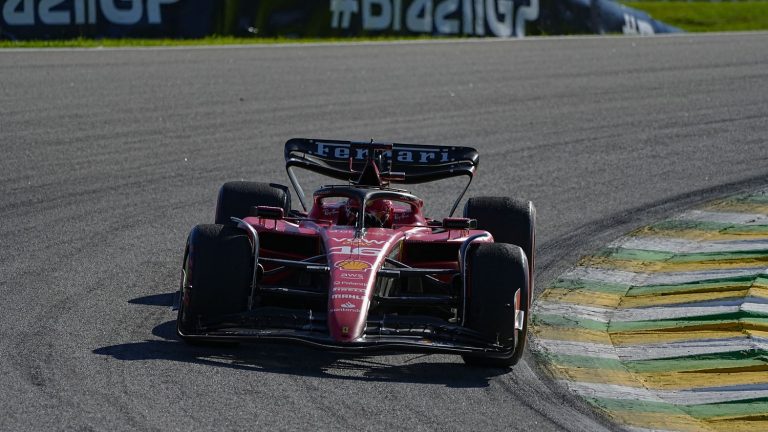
(109,157)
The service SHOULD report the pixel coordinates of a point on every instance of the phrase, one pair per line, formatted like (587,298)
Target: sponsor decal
(345,310)
(351,275)
(353,265)
(349,289)
(349,250)
(349,283)
(346,296)
(357,241)
(468,17)
(347,306)
(345,330)
(401,154)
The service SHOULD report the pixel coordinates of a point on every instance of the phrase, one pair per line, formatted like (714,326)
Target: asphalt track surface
(109,157)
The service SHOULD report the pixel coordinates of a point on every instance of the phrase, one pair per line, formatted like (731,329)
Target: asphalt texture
(109,157)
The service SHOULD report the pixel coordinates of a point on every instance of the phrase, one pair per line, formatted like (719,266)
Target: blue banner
(63,19)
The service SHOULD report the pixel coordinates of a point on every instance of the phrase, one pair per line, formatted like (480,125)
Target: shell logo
(353,265)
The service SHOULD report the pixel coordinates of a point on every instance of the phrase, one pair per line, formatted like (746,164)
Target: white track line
(676,397)
(690,348)
(653,351)
(587,349)
(673,245)
(574,311)
(645,279)
(724,217)
(605,315)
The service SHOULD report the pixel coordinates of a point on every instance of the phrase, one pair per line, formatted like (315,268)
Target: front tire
(217,276)
(496,271)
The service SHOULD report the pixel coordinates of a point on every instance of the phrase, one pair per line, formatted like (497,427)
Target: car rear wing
(397,163)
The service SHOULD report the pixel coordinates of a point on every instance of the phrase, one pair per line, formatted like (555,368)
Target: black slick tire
(496,271)
(508,220)
(217,275)
(237,197)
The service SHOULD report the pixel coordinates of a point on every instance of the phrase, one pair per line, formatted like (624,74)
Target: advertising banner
(63,19)
(66,19)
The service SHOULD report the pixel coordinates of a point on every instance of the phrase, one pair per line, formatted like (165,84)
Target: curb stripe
(694,382)
(725,297)
(725,217)
(702,411)
(691,348)
(675,397)
(727,362)
(623,253)
(690,334)
(577,348)
(667,327)
(676,245)
(577,297)
(642,429)
(572,334)
(712,227)
(700,235)
(674,350)
(758,262)
(744,206)
(712,285)
(640,315)
(569,289)
(640,279)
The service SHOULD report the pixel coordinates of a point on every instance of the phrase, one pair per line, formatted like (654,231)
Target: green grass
(705,16)
(211,40)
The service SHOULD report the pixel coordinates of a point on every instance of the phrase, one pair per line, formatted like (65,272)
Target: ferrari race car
(361,268)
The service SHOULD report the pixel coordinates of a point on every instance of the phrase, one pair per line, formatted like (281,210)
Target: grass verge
(211,40)
(708,16)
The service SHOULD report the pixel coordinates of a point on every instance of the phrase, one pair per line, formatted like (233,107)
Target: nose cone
(354,262)
(352,280)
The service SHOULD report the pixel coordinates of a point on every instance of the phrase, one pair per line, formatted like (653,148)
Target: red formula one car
(361,268)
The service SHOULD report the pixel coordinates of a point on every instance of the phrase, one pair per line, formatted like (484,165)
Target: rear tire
(237,197)
(217,276)
(496,271)
(508,220)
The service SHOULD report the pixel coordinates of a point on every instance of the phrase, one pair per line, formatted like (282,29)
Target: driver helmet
(381,211)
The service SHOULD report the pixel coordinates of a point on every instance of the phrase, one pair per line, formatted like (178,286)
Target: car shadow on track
(298,360)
